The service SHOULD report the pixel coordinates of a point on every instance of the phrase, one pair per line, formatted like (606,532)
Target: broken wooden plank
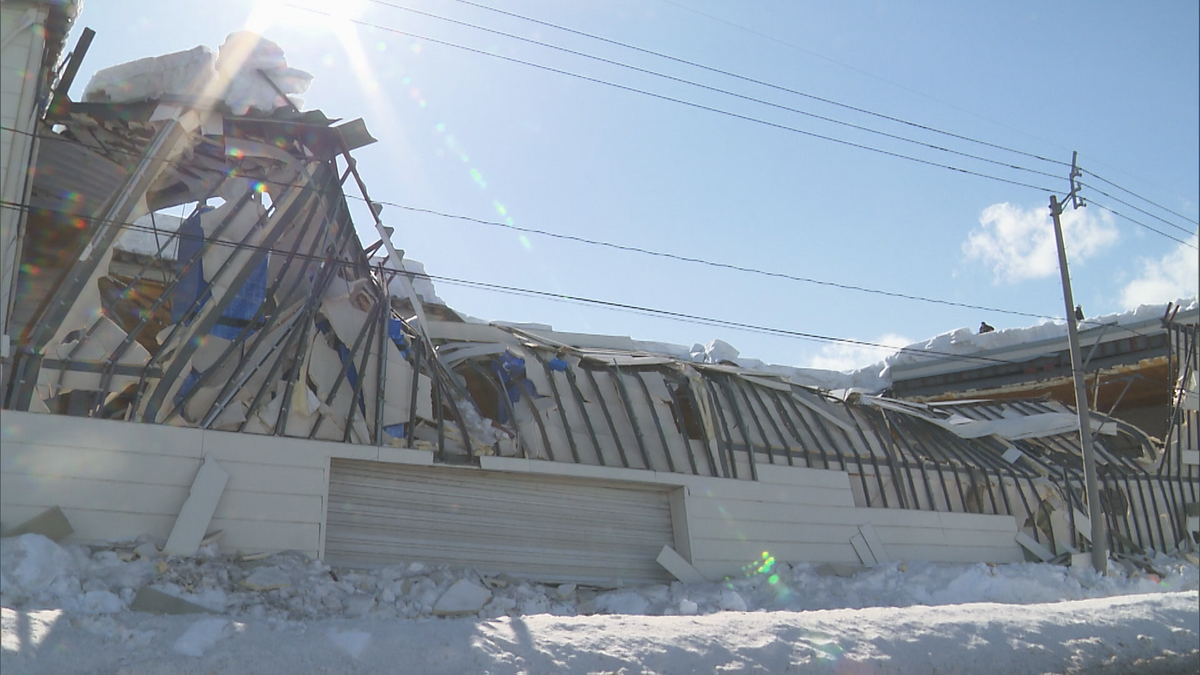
(874,543)
(1012,454)
(678,567)
(198,510)
(1044,554)
(1083,524)
(863,551)
(157,602)
(50,523)
(467,332)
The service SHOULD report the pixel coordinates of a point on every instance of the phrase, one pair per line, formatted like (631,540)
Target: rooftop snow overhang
(1108,345)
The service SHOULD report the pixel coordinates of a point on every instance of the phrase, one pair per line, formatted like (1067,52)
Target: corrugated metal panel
(73,179)
(542,527)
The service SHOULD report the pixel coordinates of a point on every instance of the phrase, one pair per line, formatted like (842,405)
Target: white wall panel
(116,479)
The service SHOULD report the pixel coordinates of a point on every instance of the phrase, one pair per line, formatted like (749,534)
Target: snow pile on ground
(67,609)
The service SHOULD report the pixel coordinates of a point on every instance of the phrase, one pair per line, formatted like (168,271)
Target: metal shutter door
(544,527)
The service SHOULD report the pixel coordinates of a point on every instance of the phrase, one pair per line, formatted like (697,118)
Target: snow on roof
(1015,344)
(248,71)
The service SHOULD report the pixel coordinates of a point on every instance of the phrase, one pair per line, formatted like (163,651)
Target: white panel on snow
(198,509)
(875,543)
(863,551)
(678,567)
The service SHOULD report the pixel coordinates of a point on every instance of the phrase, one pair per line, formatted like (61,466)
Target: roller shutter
(543,527)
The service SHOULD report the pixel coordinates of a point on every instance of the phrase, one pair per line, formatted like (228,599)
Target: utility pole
(1091,480)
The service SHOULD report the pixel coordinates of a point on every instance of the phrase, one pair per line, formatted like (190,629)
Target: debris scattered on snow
(40,574)
(51,523)
(156,602)
(89,596)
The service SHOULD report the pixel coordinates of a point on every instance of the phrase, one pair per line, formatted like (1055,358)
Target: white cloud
(845,356)
(1176,275)
(1019,243)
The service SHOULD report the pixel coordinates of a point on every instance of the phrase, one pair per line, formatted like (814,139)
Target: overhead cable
(690,104)
(638,249)
(743,78)
(1093,202)
(515,290)
(1100,178)
(719,90)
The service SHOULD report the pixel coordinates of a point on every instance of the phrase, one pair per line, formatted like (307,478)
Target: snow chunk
(247,61)
(464,597)
(622,602)
(718,351)
(31,564)
(187,74)
(732,601)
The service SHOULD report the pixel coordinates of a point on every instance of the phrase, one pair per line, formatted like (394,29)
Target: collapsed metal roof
(261,312)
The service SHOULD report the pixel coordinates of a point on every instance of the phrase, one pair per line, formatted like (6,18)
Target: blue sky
(473,135)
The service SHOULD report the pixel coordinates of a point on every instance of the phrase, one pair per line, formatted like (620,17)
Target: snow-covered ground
(67,610)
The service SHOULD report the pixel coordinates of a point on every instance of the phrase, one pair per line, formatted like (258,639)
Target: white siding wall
(20,61)
(116,479)
(798,515)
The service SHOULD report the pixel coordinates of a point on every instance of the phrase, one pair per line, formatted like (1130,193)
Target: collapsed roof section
(261,312)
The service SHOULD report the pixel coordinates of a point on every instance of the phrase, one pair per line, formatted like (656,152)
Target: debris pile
(113,578)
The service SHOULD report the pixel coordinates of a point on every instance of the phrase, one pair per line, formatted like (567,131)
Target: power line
(638,249)
(604,244)
(1093,202)
(743,78)
(1139,210)
(1105,180)
(516,290)
(710,263)
(690,104)
(731,93)
(792,91)
(922,94)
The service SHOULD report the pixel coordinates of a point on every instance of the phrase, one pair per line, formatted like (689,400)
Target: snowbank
(67,611)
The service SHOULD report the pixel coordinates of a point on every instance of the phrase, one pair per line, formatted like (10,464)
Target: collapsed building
(252,368)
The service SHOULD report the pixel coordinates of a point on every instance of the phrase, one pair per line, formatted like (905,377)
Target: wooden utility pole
(1099,534)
